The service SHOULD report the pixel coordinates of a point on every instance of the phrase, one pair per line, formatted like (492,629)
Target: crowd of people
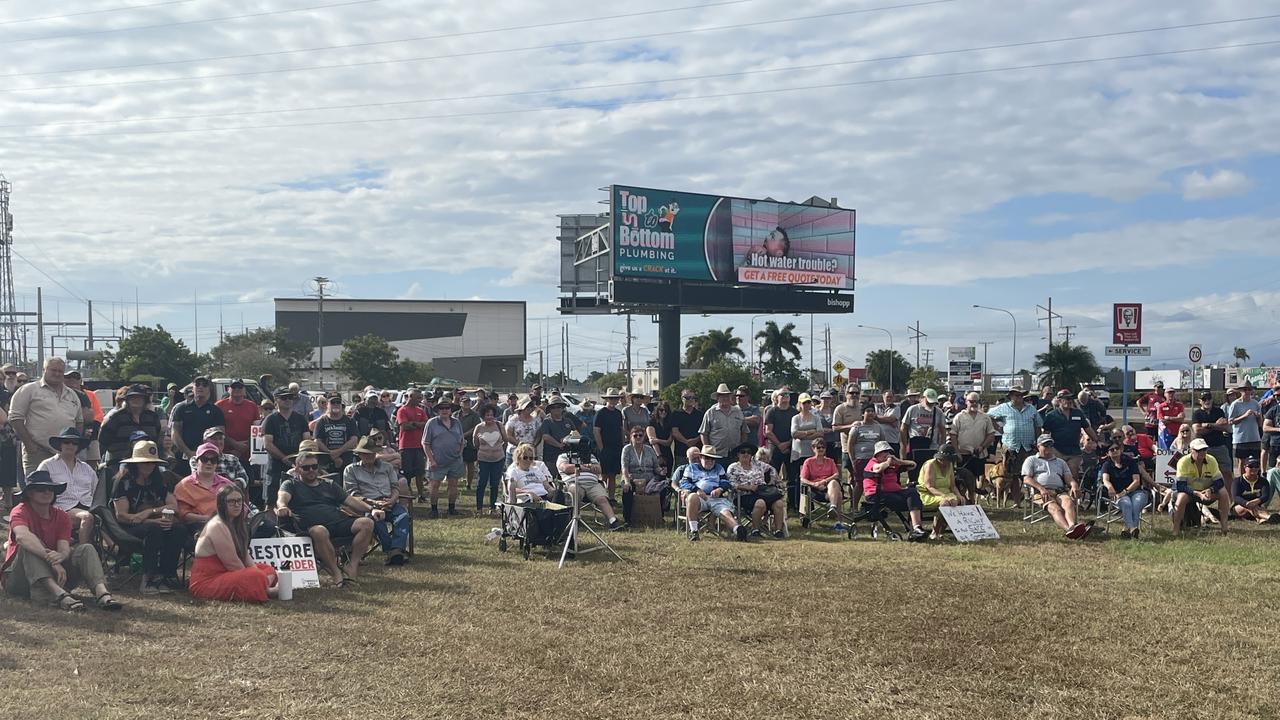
(178,478)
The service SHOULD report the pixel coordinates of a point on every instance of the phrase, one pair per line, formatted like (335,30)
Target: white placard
(969,523)
(296,551)
(257,447)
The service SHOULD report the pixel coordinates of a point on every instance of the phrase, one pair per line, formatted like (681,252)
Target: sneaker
(1077,531)
(694,536)
(779,535)
(1134,534)
(435,514)
(740,532)
(617,525)
(917,535)
(757,534)
(172,584)
(1126,533)
(150,586)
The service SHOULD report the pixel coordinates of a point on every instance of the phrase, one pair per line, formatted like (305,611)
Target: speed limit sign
(1194,354)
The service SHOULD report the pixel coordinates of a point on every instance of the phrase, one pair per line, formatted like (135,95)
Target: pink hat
(208,448)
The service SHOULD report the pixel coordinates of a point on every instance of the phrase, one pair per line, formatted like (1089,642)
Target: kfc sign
(1126,323)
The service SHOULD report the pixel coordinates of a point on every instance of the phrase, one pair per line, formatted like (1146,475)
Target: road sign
(838,380)
(838,367)
(1126,323)
(1129,350)
(1194,354)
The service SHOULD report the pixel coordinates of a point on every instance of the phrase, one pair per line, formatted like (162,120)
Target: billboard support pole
(1124,394)
(668,346)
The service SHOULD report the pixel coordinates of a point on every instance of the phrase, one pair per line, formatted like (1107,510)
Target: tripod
(571,533)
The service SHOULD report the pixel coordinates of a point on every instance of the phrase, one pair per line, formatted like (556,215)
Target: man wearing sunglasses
(319,506)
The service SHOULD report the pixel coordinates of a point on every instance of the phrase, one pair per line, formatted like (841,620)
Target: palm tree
(714,346)
(1067,366)
(777,342)
(1241,355)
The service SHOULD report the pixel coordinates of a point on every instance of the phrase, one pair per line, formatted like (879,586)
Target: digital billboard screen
(691,236)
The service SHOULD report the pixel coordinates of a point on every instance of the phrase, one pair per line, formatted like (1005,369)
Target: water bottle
(135,563)
(494,534)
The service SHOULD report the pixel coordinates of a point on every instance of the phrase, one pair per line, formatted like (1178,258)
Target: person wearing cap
(1209,423)
(228,465)
(39,562)
(1198,478)
(1065,423)
(8,383)
(1050,477)
(172,396)
(377,484)
(923,428)
(120,425)
(581,474)
(469,419)
(758,489)
(1170,414)
(192,417)
(609,431)
(282,431)
(239,414)
(370,415)
(79,479)
(723,425)
(750,411)
(1245,418)
(92,411)
(325,512)
(556,426)
(42,409)
(196,494)
(337,435)
(301,400)
(826,410)
(146,508)
(1271,430)
(974,432)
(636,413)
(1122,481)
(705,485)
(1019,425)
(882,481)
(1250,494)
(937,486)
(843,417)
(508,408)
(587,413)
(1147,404)
(889,412)
(442,442)
(411,419)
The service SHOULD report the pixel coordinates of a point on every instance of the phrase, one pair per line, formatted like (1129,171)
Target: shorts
(900,501)
(611,460)
(592,489)
(1073,463)
(1248,450)
(452,471)
(341,528)
(1183,486)
(469,454)
(715,505)
(413,462)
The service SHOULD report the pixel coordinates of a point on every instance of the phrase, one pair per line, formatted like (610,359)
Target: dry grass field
(1034,626)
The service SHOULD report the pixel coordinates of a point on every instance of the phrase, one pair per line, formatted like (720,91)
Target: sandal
(106,602)
(68,602)
(344,583)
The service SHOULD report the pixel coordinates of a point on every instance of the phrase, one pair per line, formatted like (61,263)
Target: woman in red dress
(222,569)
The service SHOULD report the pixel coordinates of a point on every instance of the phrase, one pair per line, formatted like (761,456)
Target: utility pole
(1050,316)
(39,329)
(813,350)
(1067,332)
(628,352)
(195,314)
(321,284)
(89,345)
(826,331)
(985,372)
(918,336)
(928,357)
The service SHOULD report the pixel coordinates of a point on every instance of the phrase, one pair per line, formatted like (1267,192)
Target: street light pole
(891,353)
(1013,370)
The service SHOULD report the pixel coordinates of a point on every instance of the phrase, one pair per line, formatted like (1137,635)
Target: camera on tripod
(578,448)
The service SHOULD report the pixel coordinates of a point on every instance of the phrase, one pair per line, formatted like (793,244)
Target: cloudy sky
(219,153)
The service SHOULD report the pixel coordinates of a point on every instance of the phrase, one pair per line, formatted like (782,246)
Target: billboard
(690,236)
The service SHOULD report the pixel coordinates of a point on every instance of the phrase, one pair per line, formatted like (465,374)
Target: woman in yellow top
(937,478)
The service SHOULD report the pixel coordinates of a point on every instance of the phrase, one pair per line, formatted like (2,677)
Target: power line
(650,101)
(94,12)
(474,53)
(374,43)
(606,86)
(179,23)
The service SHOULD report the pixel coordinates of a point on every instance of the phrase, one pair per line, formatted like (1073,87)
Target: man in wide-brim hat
(39,562)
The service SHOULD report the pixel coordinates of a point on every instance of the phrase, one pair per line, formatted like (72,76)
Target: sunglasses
(688,397)
(312,466)
(235,501)
(208,459)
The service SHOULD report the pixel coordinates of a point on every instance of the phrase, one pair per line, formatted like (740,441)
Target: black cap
(136,391)
(1253,462)
(202,380)
(72,373)
(283,391)
(237,383)
(1206,395)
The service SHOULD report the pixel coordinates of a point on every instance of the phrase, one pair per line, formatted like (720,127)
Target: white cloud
(1223,183)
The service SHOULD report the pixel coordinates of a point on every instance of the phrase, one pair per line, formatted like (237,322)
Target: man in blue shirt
(705,484)
(1019,424)
(1065,422)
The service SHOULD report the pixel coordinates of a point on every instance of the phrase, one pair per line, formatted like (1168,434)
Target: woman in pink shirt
(880,483)
(821,474)
(197,493)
